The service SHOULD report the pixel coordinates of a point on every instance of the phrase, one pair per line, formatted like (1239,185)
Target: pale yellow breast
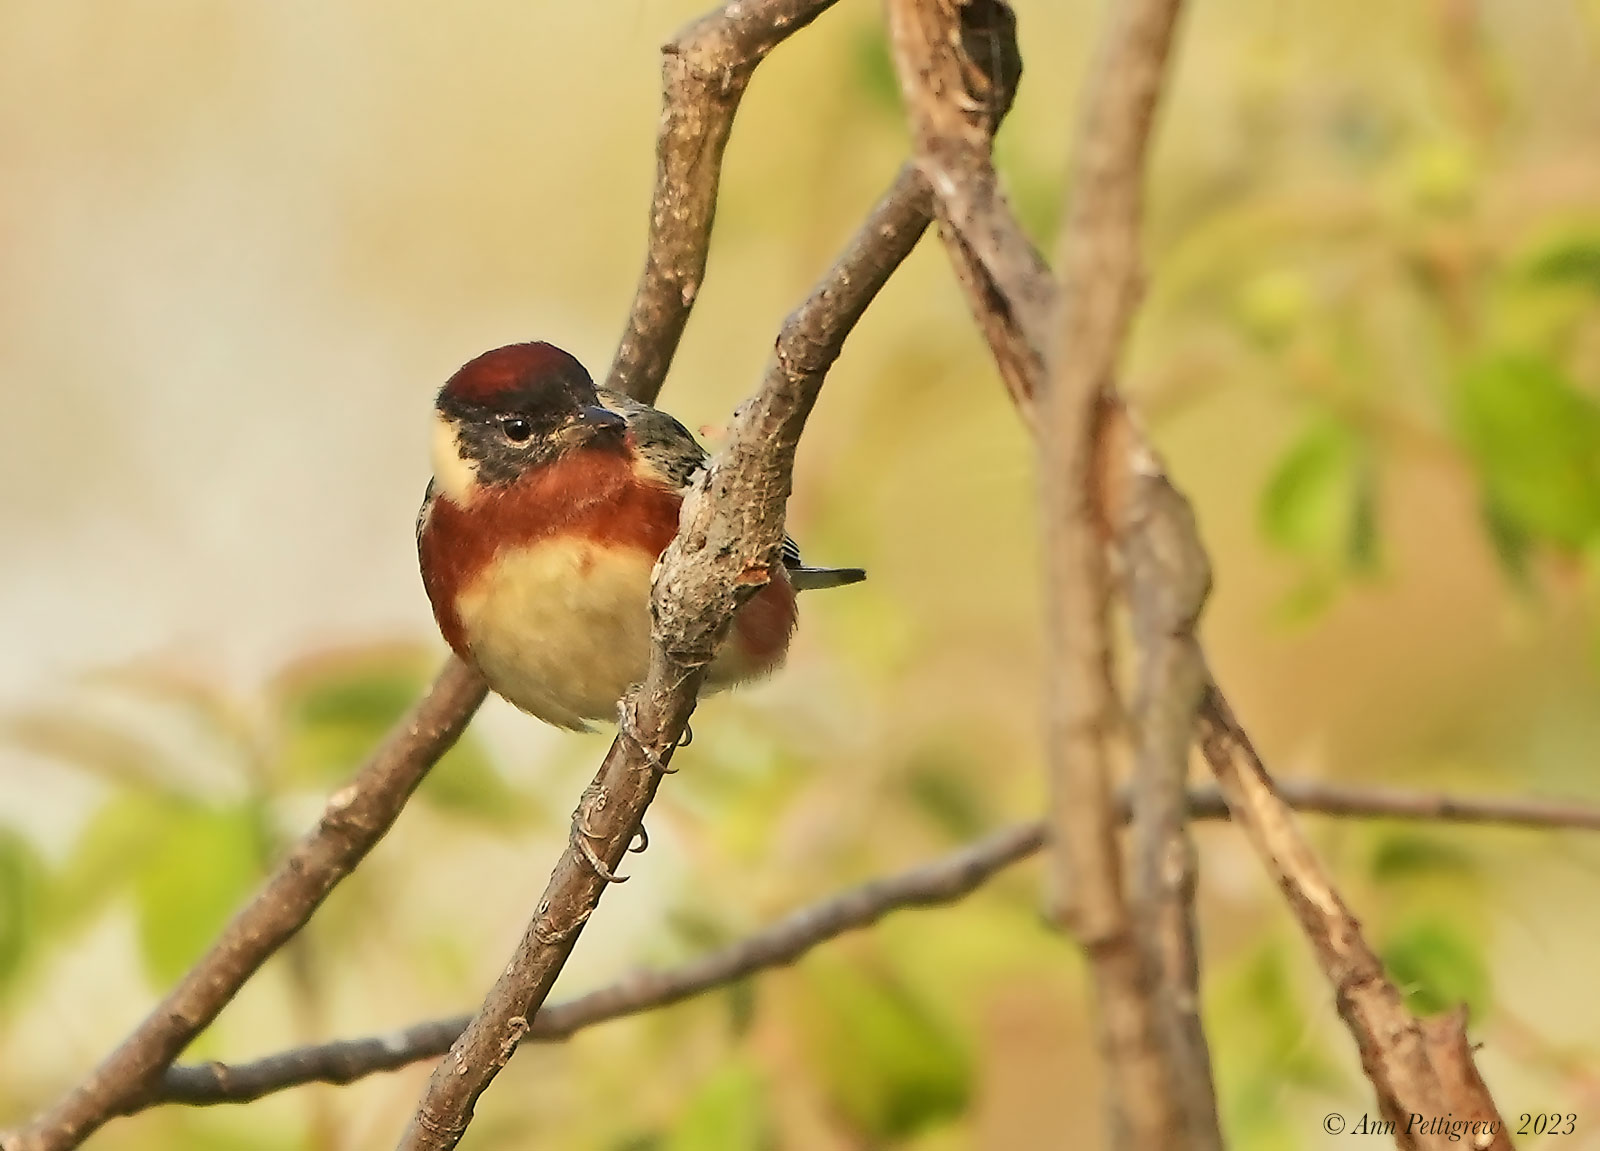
(561,628)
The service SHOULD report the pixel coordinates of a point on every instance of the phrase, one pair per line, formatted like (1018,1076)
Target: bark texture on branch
(1416,1066)
(1168,579)
(356,817)
(704,72)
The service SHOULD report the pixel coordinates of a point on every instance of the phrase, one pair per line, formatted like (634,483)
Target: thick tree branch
(728,539)
(940,881)
(1414,1067)
(356,818)
(1157,1067)
(704,72)
(1168,579)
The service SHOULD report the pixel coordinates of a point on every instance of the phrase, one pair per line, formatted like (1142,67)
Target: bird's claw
(629,729)
(596,862)
(594,798)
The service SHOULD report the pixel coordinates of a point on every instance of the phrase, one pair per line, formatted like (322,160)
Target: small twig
(940,881)
(730,532)
(356,818)
(704,72)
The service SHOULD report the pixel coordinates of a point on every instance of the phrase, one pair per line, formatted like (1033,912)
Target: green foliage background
(247,242)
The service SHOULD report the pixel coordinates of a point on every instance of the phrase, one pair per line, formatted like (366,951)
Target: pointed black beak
(599,418)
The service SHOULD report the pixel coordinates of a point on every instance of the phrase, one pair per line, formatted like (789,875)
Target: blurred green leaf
(1272,306)
(1438,966)
(637,1141)
(1321,500)
(1440,176)
(943,791)
(1536,441)
(888,1065)
(466,782)
(108,853)
(1511,542)
(1569,259)
(873,70)
(193,879)
(1265,1046)
(21,880)
(1404,855)
(728,1113)
(334,711)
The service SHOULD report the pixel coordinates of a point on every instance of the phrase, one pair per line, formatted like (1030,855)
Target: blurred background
(242,243)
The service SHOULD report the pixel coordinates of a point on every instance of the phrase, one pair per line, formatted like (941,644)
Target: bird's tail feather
(810,578)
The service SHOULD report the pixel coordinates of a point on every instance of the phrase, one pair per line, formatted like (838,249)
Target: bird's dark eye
(517,429)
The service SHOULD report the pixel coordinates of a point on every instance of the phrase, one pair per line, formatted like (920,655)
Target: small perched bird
(549,505)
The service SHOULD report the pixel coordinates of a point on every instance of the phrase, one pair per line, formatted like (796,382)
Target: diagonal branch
(939,881)
(355,819)
(729,535)
(705,69)
(1416,1066)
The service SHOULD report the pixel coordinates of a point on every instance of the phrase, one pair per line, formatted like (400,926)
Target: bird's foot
(628,727)
(594,798)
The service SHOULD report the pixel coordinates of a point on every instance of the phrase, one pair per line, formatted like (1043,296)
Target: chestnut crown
(517,407)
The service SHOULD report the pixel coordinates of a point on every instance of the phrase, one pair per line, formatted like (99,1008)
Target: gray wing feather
(672,451)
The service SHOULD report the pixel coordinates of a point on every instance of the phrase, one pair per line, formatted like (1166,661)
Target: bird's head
(512,410)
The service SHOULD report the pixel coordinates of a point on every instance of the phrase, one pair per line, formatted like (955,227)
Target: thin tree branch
(1416,1066)
(1168,579)
(730,531)
(942,880)
(355,819)
(705,69)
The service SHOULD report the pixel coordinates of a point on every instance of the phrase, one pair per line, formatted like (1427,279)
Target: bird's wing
(666,446)
(671,451)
